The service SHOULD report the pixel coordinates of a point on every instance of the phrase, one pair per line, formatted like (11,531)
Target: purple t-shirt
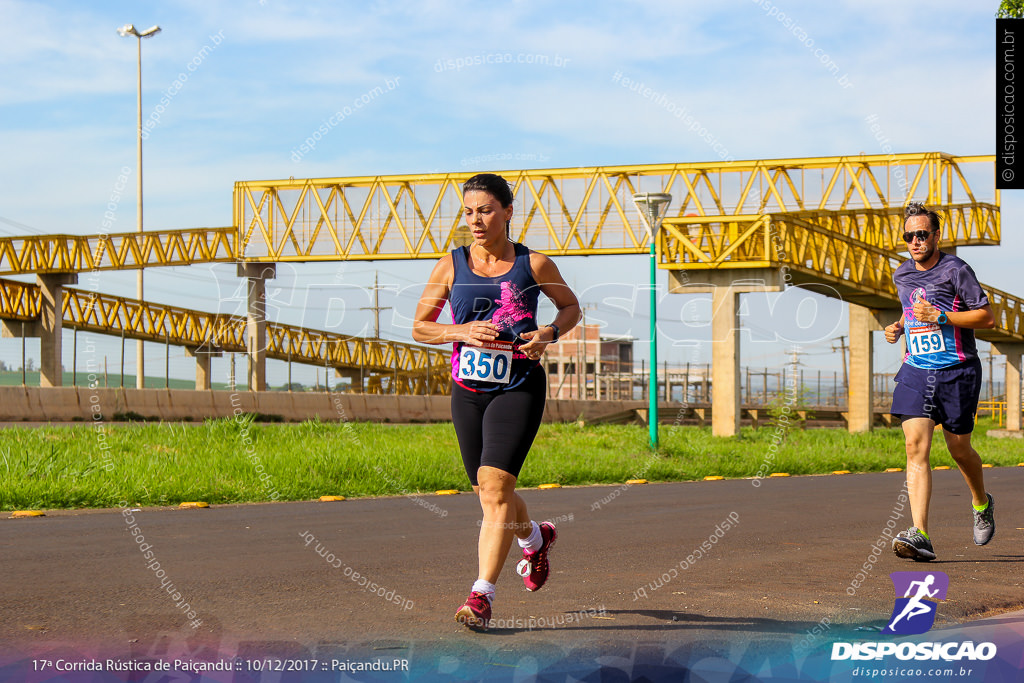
(949,285)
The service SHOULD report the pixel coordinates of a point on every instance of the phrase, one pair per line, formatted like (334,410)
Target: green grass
(227,461)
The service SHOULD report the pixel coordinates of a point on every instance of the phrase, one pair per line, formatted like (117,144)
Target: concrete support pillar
(256,320)
(860,401)
(51,325)
(203,354)
(725,362)
(203,372)
(1013,353)
(725,287)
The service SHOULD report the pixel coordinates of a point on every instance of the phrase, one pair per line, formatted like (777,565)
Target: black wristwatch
(555,328)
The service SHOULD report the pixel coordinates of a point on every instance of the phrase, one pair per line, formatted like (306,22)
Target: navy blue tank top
(510,302)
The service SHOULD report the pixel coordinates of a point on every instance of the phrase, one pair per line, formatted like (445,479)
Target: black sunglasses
(922,235)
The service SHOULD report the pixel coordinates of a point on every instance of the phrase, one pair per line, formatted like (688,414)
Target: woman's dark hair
(491,183)
(496,186)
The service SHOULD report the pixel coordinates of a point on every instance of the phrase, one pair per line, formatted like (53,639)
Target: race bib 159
(925,338)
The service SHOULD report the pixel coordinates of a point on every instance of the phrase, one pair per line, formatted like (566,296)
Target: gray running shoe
(985,523)
(912,545)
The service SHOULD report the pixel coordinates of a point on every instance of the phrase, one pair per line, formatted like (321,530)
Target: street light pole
(652,207)
(125,31)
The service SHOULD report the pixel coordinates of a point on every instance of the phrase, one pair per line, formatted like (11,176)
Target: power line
(376,308)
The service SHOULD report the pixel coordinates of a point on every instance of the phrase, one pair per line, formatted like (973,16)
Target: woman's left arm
(545,272)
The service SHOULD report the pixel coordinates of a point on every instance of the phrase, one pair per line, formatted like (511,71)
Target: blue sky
(473,87)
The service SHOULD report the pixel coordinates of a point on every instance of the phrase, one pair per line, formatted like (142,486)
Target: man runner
(940,380)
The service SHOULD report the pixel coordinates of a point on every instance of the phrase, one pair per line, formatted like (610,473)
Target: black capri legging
(496,428)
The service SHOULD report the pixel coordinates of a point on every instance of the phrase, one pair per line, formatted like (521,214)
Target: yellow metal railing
(746,241)
(808,243)
(588,211)
(121,251)
(417,366)
(995,409)
(576,211)
(19,301)
(414,368)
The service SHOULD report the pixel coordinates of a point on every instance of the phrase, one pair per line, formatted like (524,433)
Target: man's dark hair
(918,209)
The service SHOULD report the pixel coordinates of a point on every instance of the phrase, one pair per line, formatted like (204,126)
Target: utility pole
(795,363)
(843,348)
(376,308)
(583,340)
(990,374)
(581,365)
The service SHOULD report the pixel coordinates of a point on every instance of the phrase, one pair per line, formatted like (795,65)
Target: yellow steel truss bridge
(587,211)
(833,220)
(816,247)
(402,368)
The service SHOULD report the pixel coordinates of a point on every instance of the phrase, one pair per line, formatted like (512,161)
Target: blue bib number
(485,364)
(925,339)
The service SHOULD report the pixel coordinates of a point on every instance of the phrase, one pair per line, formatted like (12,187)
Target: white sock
(533,541)
(485,587)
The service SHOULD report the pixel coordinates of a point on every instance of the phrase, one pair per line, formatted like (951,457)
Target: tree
(1010,9)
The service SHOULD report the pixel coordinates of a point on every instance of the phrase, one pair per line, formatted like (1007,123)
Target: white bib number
(491,362)
(924,339)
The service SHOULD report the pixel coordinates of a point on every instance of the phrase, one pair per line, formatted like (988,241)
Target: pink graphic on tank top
(512,306)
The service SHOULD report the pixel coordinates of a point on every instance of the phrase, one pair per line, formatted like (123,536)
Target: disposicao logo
(914,612)
(917,594)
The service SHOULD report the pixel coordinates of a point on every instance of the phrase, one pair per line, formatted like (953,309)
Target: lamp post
(125,31)
(652,207)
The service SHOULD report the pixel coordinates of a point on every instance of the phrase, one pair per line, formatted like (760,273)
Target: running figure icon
(916,605)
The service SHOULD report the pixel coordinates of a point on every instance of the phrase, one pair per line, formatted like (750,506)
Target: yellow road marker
(636,481)
(194,504)
(840,471)
(28,513)
(448,492)
(331,499)
(894,469)
(779,474)
(942,467)
(713,477)
(550,486)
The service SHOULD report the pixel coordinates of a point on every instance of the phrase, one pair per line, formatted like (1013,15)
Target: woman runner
(498,384)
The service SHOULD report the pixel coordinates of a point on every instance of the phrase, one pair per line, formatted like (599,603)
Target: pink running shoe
(534,565)
(476,613)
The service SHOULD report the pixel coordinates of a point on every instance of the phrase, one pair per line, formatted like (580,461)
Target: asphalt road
(789,561)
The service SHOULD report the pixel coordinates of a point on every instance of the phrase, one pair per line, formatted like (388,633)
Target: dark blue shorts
(948,396)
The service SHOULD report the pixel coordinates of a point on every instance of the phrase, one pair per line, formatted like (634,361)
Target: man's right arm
(895,331)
